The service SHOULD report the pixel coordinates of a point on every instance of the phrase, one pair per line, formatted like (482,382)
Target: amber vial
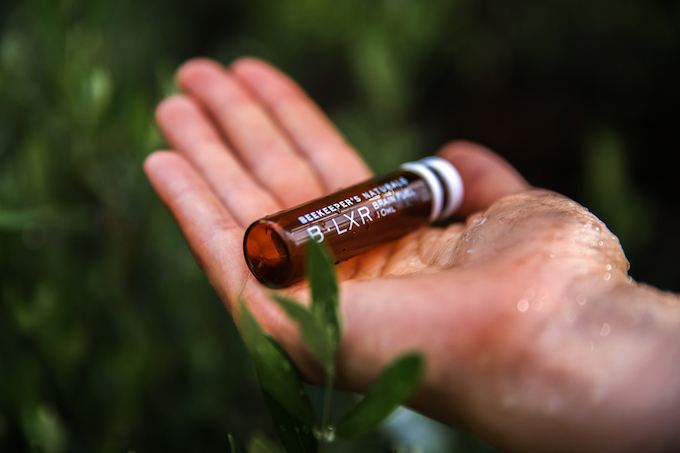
(354,220)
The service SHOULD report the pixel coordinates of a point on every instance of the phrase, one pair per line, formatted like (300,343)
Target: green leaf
(295,435)
(396,384)
(258,443)
(312,330)
(324,289)
(275,371)
(232,444)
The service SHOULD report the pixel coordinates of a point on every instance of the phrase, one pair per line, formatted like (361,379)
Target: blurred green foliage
(110,337)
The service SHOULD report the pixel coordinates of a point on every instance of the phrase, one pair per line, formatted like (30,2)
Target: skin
(536,338)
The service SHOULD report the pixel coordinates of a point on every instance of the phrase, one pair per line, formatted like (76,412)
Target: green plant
(321,330)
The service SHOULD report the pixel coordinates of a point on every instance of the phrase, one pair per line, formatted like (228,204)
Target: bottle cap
(445,183)
(433,184)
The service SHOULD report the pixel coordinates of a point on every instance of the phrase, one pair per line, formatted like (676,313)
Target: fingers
(337,164)
(216,240)
(214,236)
(486,176)
(250,131)
(188,130)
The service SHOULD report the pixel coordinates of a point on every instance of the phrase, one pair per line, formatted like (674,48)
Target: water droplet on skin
(581,299)
(537,305)
(523,305)
(529,294)
(597,228)
(543,294)
(586,225)
(629,279)
(607,275)
(608,267)
(570,316)
(601,243)
(606,328)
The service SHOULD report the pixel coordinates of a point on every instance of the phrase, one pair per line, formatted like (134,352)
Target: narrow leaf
(311,329)
(324,289)
(232,444)
(258,443)
(394,386)
(275,371)
(295,435)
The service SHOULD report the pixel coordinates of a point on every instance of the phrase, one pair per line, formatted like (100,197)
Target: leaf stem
(325,428)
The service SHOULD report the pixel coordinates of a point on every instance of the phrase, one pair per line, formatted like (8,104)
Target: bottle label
(328,210)
(373,193)
(356,213)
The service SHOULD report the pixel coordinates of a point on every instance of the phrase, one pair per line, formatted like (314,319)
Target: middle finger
(250,130)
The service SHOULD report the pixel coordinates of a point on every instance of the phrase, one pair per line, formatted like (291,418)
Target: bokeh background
(110,337)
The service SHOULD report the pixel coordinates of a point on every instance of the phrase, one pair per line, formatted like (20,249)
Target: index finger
(337,164)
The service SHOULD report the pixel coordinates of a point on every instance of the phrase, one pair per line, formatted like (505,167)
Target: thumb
(486,176)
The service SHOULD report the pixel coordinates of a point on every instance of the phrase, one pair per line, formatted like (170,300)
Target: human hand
(536,339)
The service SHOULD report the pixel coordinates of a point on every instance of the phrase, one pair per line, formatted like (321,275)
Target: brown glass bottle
(352,221)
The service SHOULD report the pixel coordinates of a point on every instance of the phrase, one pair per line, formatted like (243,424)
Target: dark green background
(110,337)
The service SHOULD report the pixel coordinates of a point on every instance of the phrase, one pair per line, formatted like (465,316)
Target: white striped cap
(444,182)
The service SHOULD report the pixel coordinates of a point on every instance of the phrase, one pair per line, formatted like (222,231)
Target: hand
(536,338)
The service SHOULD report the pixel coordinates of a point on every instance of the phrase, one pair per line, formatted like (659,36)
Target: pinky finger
(214,236)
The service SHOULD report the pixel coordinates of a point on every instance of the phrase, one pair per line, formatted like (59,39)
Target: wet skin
(536,338)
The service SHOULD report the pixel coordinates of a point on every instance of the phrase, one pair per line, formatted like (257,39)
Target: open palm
(518,309)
